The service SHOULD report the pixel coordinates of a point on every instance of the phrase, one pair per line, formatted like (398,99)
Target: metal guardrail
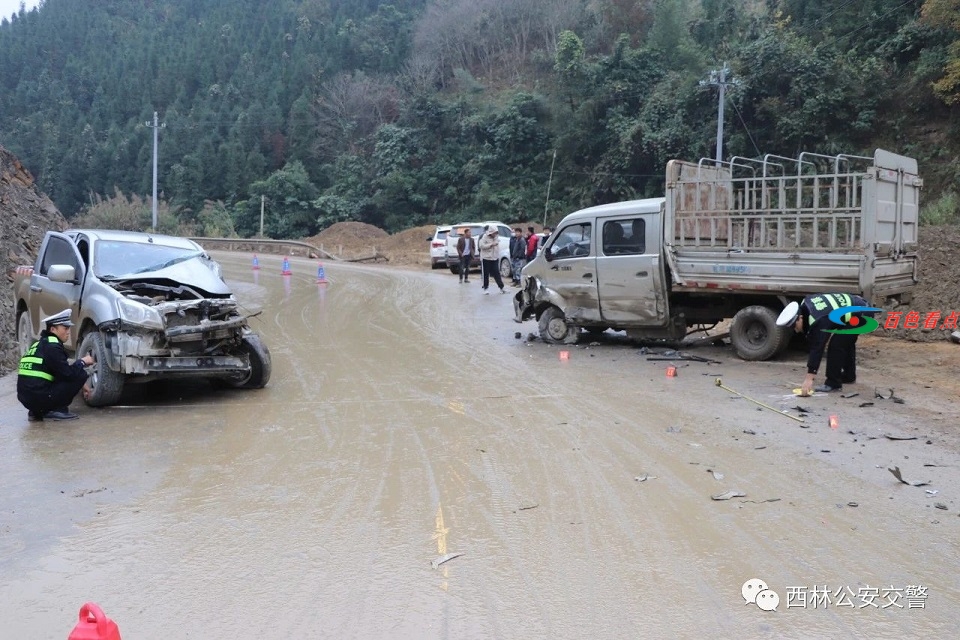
(291,247)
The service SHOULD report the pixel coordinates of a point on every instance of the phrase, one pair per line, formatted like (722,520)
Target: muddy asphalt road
(405,422)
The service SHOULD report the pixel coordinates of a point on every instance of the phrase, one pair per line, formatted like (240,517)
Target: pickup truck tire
(260,366)
(106,385)
(24,337)
(755,334)
(506,269)
(555,329)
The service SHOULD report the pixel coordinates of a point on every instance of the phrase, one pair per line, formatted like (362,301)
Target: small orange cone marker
(834,422)
(671,372)
(94,625)
(256,263)
(285,268)
(321,276)
(564,355)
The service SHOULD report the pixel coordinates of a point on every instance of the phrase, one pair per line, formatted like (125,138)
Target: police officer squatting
(811,317)
(47,382)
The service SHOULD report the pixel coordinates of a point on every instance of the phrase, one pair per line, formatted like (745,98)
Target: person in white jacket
(490,257)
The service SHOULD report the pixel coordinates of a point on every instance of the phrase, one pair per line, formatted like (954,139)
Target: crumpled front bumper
(524,300)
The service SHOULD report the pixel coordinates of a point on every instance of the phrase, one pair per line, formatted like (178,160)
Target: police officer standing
(47,383)
(811,316)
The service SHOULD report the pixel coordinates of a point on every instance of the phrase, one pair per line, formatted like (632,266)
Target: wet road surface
(404,422)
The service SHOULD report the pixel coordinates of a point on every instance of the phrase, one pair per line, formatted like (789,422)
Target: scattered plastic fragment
(716,474)
(892,437)
(896,474)
(444,558)
(940,505)
(726,495)
(645,477)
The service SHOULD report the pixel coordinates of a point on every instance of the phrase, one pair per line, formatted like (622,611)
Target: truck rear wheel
(555,329)
(755,334)
(106,385)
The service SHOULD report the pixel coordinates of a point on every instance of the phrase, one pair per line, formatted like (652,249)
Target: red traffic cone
(321,276)
(256,262)
(94,625)
(285,269)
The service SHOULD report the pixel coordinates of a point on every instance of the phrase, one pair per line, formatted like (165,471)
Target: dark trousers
(842,359)
(56,397)
(465,267)
(491,268)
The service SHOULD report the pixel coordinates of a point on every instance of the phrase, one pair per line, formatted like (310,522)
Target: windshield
(114,259)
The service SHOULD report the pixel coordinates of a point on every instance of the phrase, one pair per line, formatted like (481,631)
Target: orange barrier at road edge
(94,625)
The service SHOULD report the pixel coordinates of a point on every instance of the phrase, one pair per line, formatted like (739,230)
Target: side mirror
(62,273)
(547,254)
(430,239)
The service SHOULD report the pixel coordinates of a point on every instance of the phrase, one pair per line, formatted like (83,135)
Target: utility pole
(549,182)
(156,127)
(263,199)
(718,78)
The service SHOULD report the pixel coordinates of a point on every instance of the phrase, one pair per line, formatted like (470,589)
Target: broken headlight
(139,314)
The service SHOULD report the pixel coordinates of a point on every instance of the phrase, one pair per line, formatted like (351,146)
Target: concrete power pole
(718,78)
(156,127)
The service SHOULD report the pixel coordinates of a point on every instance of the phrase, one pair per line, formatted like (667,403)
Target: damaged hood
(195,273)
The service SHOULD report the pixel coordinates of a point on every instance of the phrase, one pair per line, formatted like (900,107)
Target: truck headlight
(139,314)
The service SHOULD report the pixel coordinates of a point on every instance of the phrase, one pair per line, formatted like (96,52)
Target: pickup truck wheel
(555,329)
(24,337)
(106,385)
(755,334)
(260,366)
(506,269)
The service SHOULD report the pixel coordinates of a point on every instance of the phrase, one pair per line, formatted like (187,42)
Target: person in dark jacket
(466,249)
(47,382)
(518,254)
(811,316)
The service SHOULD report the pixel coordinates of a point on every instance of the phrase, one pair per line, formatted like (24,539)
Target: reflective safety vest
(32,365)
(834,301)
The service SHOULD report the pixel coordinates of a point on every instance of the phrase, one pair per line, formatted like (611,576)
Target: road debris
(932,492)
(726,495)
(849,395)
(444,558)
(644,477)
(853,504)
(865,404)
(716,474)
(527,505)
(940,505)
(719,383)
(750,432)
(761,501)
(896,474)
(893,437)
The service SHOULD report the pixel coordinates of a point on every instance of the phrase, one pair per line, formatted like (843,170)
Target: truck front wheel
(260,365)
(555,329)
(755,334)
(105,384)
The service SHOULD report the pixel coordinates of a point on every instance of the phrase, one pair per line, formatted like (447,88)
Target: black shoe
(848,380)
(467,280)
(825,388)
(502,290)
(61,415)
(34,416)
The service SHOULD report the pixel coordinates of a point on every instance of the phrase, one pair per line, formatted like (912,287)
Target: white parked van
(476,230)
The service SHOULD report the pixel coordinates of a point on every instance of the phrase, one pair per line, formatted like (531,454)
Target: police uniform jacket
(815,311)
(43,363)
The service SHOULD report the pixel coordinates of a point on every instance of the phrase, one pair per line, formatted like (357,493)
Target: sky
(9,7)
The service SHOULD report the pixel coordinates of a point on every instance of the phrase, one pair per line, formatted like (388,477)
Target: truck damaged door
(571,276)
(51,286)
(628,271)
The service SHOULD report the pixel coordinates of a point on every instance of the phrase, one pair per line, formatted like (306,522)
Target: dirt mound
(939,287)
(350,240)
(27,216)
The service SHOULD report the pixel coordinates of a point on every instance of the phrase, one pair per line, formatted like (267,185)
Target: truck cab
(600,269)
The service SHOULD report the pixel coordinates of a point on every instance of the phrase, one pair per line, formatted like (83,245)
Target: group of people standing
(523,248)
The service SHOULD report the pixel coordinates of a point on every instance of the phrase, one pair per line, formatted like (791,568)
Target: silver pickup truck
(737,240)
(146,306)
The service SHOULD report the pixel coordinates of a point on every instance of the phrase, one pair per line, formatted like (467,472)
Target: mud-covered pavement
(404,422)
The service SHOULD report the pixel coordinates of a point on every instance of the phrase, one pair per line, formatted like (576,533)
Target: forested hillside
(403,112)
